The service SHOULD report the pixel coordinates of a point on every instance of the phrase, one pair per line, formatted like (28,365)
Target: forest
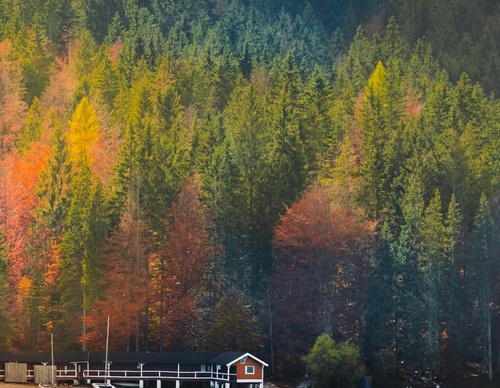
(250,175)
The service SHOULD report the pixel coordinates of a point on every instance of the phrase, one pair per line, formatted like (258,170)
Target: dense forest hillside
(248,175)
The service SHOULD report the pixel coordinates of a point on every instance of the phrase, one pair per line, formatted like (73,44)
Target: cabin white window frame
(249,370)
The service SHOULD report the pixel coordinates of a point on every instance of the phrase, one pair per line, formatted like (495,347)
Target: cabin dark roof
(216,358)
(226,357)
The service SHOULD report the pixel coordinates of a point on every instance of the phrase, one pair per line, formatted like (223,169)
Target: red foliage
(184,259)
(321,254)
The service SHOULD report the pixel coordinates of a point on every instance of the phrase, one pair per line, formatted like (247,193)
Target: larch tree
(125,284)
(185,260)
(84,132)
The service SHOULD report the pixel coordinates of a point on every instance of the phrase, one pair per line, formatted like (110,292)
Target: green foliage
(334,365)
(261,99)
(6,327)
(82,244)
(33,126)
(55,181)
(232,325)
(382,310)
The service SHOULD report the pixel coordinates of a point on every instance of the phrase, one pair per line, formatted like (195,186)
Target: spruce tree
(81,264)
(6,324)
(483,255)
(32,127)
(408,249)
(432,264)
(381,327)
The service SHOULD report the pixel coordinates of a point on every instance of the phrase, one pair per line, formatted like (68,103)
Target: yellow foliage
(84,132)
(376,84)
(24,288)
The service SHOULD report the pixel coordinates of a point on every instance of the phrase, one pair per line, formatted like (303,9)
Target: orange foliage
(53,264)
(5,49)
(315,223)
(19,181)
(126,286)
(321,251)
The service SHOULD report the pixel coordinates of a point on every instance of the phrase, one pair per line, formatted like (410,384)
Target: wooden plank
(16,372)
(43,374)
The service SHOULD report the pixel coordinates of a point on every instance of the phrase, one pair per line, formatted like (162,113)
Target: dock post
(158,383)
(177,384)
(141,383)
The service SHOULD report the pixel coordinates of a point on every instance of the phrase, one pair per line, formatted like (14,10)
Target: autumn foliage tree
(126,287)
(321,252)
(183,266)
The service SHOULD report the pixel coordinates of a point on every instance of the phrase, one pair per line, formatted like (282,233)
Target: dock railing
(136,375)
(98,374)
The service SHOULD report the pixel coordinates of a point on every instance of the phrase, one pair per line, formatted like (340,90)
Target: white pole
(52,357)
(106,368)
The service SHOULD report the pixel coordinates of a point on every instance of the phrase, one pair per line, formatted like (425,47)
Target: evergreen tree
(432,264)
(82,244)
(6,327)
(381,326)
(457,293)
(381,138)
(482,253)
(32,127)
(410,307)
(248,151)
(55,181)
